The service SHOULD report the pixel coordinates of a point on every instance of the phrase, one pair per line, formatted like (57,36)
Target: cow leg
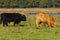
(5,23)
(38,23)
(14,23)
(18,22)
(49,25)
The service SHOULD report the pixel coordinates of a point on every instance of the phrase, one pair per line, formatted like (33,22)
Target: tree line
(29,3)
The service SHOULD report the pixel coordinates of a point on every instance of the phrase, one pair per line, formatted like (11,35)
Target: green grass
(29,31)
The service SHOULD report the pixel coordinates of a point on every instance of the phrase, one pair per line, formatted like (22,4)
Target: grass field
(29,31)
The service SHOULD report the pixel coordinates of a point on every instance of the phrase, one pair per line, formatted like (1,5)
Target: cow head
(54,24)
(23,18)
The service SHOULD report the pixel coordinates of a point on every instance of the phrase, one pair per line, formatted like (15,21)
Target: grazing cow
(45,18)
(12,17)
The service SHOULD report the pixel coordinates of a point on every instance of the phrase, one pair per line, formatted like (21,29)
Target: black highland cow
(12,17)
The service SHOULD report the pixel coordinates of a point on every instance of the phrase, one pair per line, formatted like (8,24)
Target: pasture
(28,31)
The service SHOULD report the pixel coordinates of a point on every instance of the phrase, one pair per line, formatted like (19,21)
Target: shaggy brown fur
(45,18)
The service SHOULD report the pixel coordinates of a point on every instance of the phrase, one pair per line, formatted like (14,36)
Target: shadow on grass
(57,26)
(21,25)
(14,26)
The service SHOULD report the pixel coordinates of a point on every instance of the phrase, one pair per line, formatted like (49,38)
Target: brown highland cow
(45,18)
